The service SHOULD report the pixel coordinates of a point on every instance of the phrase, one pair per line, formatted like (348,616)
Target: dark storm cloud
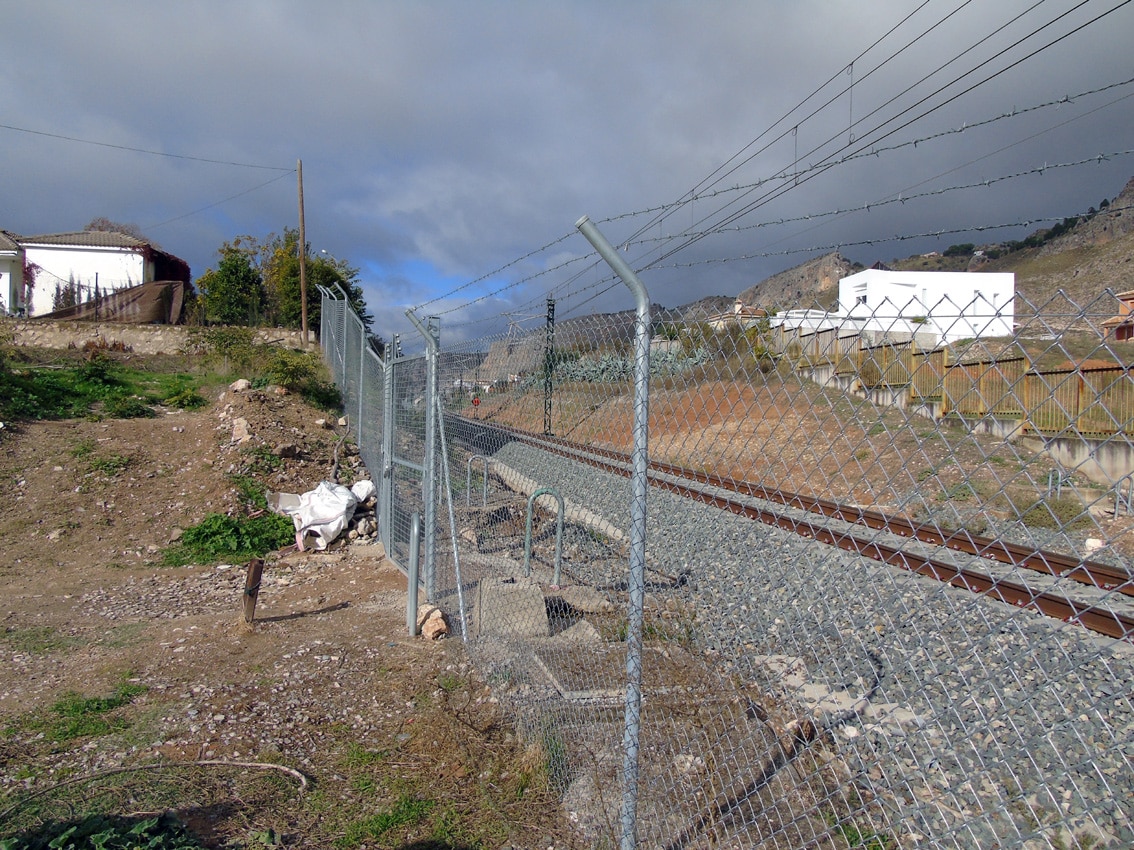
(442,140)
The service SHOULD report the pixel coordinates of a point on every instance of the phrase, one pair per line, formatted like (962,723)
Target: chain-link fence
(885,599)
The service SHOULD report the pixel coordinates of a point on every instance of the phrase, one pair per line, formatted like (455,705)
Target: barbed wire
(793,179)
(873,152)
(785,176)
(610,281)
(497,271)
(814,249)
(830,162)
(903,198)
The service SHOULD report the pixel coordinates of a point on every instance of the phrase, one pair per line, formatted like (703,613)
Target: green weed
(186,399)
(109,466)
(1056,514)
(262,459)
(856,838)
(128,407)
(76,716)
(72,393)
(83,449)
(219,537)
(250,490)
(449,683)
(106,832)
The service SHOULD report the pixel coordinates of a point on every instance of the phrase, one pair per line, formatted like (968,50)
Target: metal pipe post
(639,485)
(386,479)
(412,572)
(432,334)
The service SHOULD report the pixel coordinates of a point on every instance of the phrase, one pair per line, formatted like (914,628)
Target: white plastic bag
(323,512)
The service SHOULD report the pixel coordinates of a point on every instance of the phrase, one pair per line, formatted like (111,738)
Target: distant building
(745,317)
(949,305)
(1121,327)
(806,321)
(79,265)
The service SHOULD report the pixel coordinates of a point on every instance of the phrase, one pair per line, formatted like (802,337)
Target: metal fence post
(386,477)
(548,366)
(432,335)
(639,485)
(411,574)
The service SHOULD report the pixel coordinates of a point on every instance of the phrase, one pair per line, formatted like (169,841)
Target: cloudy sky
(448,148)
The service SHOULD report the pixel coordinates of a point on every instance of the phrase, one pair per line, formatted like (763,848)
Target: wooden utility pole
(302,256)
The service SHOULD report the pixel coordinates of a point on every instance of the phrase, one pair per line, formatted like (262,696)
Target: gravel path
(1016,730)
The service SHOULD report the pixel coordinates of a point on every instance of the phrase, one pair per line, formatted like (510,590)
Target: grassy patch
(358,757)
(77,716)
(128,407)
(83,449)
(407,810)
(867,840)
(219,537)
(1056,514)
(36,640)
(100,383)
(262,460)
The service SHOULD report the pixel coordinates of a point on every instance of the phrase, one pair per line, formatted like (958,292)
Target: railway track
(742,498)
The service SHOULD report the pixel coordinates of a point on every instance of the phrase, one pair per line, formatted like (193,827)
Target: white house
(11,274)
(90,262)
(806,321)
(950,305)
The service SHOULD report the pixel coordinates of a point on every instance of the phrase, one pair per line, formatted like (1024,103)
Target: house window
(862,299)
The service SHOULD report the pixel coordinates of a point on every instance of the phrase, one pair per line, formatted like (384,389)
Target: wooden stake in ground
(252,587)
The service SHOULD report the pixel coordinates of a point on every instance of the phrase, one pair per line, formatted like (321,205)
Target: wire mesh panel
(371,412)
(407,462)
(854,610)
(887,599)
(354,342)
(332,321)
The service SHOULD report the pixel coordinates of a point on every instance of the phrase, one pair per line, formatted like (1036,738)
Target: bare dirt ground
(396,741)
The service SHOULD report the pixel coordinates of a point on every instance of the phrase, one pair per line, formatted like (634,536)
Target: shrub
(220,537)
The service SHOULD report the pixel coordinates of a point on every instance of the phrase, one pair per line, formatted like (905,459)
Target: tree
(233,292)
(280,267)
(275,261)
(66,295)
(105,225)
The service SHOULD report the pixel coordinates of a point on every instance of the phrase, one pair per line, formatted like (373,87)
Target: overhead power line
(142,150)
(218,203)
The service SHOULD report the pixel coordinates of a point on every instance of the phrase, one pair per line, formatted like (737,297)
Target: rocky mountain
(811,284)
(1080,265)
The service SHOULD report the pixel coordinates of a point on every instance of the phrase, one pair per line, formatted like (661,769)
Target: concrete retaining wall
(142,339)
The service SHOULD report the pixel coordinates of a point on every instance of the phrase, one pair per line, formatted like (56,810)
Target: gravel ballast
(1017,730)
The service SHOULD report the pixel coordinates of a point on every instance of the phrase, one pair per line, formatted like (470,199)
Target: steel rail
(1094,574)
(1103,621)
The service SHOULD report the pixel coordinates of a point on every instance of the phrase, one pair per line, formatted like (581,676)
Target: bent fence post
(639,485)
(448,485)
